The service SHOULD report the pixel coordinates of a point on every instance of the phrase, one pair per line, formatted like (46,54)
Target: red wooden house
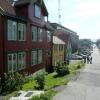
(25,36)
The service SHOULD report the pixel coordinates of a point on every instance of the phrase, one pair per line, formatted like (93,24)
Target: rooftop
(56,40)
(6,7)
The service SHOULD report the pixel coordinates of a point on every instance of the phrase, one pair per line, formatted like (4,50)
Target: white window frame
(11,30)
(34,57)
(21,60)
(37,11)
(21,31)
(34,33)
(12,63)
(40,56)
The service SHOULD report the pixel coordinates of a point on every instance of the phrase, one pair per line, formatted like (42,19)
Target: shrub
(11,82)
(62,69)
(40,80)
(19,80)
(78,66)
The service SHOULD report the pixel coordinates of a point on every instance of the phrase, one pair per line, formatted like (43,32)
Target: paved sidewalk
(87,86)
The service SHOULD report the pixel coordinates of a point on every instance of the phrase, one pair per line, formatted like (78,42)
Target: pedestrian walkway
(87,86)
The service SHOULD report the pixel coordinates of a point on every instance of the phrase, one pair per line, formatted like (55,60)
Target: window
(49,52)
(34,33)
(21,60)
(21,31)
(61,47)
(39,56)
(55,47)
(49,36)
(12,62)
(39,34)
(37,11)
(34,57)
(12,30)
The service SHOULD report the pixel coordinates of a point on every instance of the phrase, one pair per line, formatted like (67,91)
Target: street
(87,86)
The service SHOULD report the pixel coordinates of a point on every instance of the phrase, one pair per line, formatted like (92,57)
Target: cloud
(88,9)
(72,26)
(81,16)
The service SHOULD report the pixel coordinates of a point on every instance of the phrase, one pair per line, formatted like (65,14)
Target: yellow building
(58,51)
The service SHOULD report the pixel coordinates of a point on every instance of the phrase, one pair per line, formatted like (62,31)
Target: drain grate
(18,94)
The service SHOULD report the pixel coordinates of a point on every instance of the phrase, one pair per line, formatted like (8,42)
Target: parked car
(82,55)
(76,57)
(87,53)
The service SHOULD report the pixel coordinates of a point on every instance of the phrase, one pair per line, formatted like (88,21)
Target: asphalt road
(87,86)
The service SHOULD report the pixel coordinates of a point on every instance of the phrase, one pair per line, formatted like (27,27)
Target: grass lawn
(76,66)
(52,80)
(29,86)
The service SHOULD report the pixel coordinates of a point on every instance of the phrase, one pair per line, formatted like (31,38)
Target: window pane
(34,33)
(21,60)
(21,31)
(39,34)
(9,63)
(34,57)
(37,11)
(12,62)
(39,56)
(12,30)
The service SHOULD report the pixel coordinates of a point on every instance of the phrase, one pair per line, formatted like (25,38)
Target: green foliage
(40,80)
(47,96)
(29,85)
(62,69)
(76,66)
(42,97)
(11,82)
(53,80)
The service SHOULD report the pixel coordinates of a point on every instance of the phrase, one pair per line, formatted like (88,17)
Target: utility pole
(59,11)
(13,1)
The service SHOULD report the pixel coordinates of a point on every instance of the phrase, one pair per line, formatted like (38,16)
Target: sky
(81,16)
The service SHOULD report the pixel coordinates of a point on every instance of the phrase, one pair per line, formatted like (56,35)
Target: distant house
(25,36)
(74,38)
(61,32)
(58,51)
